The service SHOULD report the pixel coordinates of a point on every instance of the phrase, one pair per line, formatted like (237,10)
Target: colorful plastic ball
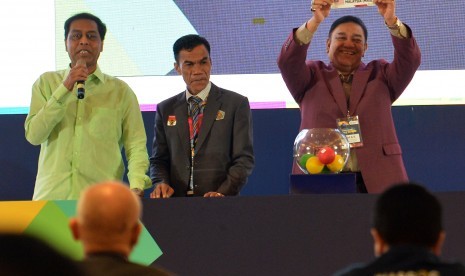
(304,158)
(326,155)
(326,169)
(313,165)
(337,164)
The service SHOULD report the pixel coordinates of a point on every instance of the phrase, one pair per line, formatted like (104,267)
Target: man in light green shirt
(82,139)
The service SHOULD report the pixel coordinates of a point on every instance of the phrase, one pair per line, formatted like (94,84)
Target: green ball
(326,170)
(303,160)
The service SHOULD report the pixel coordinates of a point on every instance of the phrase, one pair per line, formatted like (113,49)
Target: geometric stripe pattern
(48,221)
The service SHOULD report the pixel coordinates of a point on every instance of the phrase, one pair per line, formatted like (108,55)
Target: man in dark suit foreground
(107,223)
(408,236)
(203,136)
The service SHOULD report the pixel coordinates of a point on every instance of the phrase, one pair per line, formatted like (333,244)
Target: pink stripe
(253,105)
(148,107)
(267,105)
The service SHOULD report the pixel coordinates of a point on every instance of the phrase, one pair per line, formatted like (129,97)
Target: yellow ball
(337,164)
(303,159)
(314,165)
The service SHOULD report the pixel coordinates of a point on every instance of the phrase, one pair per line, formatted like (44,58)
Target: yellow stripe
(15,216)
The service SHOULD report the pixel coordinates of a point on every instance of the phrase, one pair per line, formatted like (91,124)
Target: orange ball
(313,165)
(337,164)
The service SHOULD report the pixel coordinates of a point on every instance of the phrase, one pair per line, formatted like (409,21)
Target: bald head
(107,218)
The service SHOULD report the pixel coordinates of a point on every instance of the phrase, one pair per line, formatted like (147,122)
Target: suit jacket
(223,153)
(317,89)
(111,264)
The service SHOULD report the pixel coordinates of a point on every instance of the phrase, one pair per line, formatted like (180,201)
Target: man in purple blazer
(347,89)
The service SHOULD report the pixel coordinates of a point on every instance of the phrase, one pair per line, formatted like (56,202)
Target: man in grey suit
(203,136)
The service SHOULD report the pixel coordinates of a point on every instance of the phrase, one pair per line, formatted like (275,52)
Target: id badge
(350,126)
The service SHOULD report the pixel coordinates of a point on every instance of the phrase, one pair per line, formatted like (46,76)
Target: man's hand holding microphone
(78,74)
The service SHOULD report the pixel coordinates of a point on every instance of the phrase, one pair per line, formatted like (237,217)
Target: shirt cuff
(303,35)
(60,93)
(140,183)
(401,31)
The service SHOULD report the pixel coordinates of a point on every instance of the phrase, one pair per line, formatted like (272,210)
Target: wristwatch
(396,25)
(397,29)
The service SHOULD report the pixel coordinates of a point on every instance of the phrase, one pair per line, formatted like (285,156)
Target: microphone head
(80,90)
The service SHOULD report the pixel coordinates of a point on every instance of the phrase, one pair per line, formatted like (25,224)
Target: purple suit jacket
(317,89)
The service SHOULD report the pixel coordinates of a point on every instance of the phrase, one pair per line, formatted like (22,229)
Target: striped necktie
(195,104)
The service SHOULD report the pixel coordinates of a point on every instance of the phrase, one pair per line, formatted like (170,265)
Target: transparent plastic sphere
(321,150)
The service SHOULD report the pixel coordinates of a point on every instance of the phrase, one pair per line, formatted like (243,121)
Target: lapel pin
(220,115)
(171,120)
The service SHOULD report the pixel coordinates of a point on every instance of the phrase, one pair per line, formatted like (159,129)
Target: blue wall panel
(432,139)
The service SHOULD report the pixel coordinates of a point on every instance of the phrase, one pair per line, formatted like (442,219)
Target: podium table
(341,183)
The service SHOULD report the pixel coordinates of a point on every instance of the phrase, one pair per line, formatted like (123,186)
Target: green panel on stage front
(146,250)
(51,225)
(49,221)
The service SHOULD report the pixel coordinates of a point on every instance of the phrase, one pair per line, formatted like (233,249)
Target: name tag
(350,127)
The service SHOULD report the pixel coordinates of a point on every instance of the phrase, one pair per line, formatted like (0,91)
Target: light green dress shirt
(81,140)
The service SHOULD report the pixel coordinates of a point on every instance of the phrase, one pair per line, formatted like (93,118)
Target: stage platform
(276,235)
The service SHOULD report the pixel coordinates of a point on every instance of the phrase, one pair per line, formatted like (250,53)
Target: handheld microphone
(80,84)
(80,90)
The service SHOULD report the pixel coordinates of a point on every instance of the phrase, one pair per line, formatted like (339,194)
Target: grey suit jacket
(223,153)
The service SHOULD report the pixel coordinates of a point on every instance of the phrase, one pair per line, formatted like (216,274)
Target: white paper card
(338,4)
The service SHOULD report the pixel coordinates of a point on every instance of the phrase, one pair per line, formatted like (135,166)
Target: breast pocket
(392,149)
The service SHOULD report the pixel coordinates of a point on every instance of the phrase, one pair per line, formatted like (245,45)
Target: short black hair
(102,28)
(347,19)
(408,214)
(189,42)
